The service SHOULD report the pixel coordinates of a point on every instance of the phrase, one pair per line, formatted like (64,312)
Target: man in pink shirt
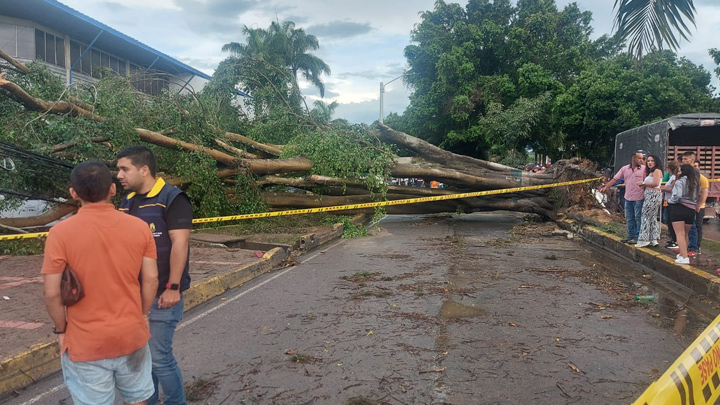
(634,194)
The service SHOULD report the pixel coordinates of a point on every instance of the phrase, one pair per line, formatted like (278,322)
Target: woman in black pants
(686,191)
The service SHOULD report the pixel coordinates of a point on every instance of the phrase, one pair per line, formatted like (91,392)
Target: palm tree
(296,45)
(284,45)
(651,24)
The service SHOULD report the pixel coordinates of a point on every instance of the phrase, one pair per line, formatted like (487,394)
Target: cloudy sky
(362,41)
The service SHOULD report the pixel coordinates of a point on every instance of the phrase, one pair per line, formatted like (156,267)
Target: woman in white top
(649,226)
(673,168)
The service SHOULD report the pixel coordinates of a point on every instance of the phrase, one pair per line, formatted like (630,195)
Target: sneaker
(632,241)
(642,244)
(682,260)
(692,253)
(654,243)
(677,256)
(626,240)
(671,245)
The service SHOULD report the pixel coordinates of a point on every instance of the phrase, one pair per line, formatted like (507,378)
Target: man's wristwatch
(172,286)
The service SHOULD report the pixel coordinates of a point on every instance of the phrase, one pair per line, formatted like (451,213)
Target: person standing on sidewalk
(650,229)
(104,337)
(168,212)
(634,194)
(695,235)
(673,169)
(686,191)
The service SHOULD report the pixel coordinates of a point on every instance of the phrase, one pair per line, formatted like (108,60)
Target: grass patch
(199,390)
(301,358)
(361,276)
(711,247)
(376,294)
(612,228)
(22,247)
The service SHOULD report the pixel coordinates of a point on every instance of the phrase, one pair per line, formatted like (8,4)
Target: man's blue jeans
(695,235)
(633,216)
(165,370)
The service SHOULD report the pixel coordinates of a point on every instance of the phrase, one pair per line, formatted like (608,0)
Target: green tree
(612,96)
(283,46)
(490,61)
(715,54)
(651,25)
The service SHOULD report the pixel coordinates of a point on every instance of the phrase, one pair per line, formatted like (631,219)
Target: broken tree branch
(19,66)
(257,145)
(237,151)
(45,218)
(36,104)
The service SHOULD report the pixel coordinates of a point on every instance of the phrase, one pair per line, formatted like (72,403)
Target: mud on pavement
(479,309)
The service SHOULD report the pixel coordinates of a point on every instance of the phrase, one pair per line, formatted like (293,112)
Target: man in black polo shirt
(168,212)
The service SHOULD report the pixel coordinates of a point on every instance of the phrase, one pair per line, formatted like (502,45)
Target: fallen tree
(324,165)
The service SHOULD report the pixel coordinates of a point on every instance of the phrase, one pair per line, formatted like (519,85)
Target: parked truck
(670,138)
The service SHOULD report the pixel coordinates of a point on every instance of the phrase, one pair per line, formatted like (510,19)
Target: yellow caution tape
(348,207)
(386,203)
(693,379)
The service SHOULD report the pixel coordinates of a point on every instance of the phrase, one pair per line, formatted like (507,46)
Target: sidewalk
(699,277)
(28,348)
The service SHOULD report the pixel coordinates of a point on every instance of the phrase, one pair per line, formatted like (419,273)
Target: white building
(76,47)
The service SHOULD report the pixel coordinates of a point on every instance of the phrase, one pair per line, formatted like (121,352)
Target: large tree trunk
(52,215)
(477,167)
(35,104)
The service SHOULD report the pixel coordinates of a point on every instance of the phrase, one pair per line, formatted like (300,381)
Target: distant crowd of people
(680,190)
(537,168)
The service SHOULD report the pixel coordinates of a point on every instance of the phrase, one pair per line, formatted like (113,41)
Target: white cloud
(194,31)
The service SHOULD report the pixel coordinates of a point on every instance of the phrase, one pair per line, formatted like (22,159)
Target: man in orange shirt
(103,338)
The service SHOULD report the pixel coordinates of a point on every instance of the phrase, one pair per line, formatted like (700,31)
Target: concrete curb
(43,359)
(695,279)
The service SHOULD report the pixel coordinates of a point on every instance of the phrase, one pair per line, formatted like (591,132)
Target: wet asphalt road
(431,310)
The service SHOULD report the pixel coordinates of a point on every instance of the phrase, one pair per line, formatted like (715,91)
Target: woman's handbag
(70,288)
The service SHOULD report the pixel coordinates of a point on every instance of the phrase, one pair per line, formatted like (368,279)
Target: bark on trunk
(49,216)
(36,104)
(476,167)
(281,201)
(273,150)
(19,66)
(238,152)
(170,143)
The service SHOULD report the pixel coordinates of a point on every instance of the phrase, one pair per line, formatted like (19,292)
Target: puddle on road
(453,310)
(663,302)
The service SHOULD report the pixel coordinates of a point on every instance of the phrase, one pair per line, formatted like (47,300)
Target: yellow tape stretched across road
(349,207)
(693,379)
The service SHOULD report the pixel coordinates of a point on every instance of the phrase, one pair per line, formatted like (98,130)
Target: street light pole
(382,91)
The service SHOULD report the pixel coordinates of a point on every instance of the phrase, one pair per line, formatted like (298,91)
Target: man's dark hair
(690,153)
(91,180)
(140,156)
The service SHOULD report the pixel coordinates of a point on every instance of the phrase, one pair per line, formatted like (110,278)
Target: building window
(49,48)
(40,45)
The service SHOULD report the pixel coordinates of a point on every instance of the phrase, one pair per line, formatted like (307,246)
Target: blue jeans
(165,370)
(94,382)
(695,235)
(633,211)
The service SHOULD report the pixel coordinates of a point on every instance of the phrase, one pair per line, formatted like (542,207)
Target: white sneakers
(643,243)
(682,260)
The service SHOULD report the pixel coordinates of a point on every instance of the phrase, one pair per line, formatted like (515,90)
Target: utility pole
(382,91)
